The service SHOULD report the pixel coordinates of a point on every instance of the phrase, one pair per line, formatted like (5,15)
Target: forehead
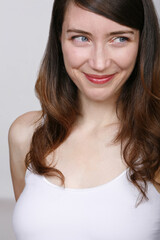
(76,17)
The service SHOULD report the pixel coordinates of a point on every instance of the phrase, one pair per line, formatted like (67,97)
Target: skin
(95,47)
(100,52)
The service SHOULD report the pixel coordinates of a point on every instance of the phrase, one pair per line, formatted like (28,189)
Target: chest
(88,161)
(102,213)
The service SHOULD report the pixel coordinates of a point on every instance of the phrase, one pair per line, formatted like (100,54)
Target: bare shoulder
(19,138)
(23,126)
(22,129)
(157,178)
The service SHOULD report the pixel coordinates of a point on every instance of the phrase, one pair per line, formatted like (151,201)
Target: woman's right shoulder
(23,127)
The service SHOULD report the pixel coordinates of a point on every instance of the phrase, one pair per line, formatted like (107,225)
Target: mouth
(99,79)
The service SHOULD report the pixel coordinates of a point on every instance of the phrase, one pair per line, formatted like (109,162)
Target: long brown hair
(139,97)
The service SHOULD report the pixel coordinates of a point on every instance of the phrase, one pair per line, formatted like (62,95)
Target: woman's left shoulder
(157,179)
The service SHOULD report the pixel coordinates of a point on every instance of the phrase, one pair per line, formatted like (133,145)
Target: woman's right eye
(80,38)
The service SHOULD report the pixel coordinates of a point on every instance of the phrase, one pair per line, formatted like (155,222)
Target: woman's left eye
(120,39)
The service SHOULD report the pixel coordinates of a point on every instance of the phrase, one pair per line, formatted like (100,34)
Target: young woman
(98,133)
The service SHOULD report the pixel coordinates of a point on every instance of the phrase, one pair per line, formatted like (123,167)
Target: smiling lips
(99,79)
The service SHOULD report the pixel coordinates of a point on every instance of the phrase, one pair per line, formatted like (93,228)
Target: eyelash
(76,37)
(126,39)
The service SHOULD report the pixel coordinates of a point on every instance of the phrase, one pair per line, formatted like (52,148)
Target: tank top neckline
(85,189)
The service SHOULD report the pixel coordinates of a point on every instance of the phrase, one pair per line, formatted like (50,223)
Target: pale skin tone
(96,45)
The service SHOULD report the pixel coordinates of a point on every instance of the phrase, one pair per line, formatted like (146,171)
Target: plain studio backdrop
(24,26)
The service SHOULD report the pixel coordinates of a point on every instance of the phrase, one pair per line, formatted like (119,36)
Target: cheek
(126,59)
(73,57)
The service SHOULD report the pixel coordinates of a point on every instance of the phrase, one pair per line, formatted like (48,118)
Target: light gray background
(24,26)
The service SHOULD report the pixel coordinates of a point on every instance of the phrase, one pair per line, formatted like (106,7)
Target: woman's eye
(80,38)
(120,40)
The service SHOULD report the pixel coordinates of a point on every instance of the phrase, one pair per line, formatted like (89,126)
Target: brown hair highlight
(139,133)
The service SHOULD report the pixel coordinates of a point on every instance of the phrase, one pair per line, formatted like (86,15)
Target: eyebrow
(74,30)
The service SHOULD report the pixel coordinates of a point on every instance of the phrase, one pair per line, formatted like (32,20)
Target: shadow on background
(6,211)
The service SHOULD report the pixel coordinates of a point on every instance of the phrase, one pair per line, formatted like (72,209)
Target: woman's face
(99,54)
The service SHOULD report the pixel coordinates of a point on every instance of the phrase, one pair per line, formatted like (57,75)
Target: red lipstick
(99,79)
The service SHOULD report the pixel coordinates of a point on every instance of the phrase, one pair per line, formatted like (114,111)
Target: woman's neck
(97,114)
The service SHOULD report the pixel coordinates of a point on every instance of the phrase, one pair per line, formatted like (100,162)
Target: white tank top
(45,211)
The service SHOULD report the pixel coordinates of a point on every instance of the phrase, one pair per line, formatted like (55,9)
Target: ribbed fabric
(45,211)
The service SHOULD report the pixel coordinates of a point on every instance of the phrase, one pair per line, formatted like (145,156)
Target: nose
(99,58)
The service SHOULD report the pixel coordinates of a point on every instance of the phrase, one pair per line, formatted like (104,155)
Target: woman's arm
(19,137)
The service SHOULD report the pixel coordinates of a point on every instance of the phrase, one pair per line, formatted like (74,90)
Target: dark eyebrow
(74,30)
(120,32)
